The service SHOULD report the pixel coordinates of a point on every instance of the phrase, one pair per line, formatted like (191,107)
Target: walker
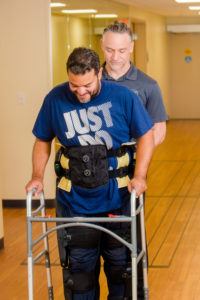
(39,215)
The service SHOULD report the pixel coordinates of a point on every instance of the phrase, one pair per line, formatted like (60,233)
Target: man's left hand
(138,184)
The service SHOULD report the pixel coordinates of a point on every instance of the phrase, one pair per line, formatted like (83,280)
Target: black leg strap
(78,282)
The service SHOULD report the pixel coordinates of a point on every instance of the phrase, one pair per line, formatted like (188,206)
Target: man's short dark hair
(119,27)
(83,60)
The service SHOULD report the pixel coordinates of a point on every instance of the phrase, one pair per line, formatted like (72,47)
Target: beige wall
(1,216)
(140,48)
(59,48)
(1,210)
(183,20)
(157,45)
(25,79)
(1,221)
(67,33)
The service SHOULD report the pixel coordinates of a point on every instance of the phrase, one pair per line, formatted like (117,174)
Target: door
(185,75)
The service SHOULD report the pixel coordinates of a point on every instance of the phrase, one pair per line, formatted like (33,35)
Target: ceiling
(163,7)
(102,6)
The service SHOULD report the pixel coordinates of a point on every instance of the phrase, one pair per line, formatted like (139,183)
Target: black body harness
(88,165)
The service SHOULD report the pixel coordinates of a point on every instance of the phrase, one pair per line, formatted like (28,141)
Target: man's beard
(97,91)
(92,94)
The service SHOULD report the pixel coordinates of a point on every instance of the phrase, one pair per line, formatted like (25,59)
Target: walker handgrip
(30,195)
(133,203)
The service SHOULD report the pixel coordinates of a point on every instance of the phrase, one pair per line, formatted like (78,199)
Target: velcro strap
(120,151)
(79,282)
(83,281)
(115,273)
(121,172)
(111,152)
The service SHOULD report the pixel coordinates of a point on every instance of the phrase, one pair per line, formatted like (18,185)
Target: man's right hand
(36,184)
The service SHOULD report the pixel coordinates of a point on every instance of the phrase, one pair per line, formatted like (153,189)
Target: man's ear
(132,47)
(101,43)
(100,73)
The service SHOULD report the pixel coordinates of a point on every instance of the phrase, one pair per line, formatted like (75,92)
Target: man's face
(84,86)
(117,48)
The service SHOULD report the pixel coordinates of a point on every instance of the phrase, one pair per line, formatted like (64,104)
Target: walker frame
(33,216)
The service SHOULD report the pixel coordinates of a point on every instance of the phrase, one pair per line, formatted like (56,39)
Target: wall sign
(188,59)
(188,55)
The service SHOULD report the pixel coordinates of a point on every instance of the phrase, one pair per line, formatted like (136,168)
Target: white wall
(25,77)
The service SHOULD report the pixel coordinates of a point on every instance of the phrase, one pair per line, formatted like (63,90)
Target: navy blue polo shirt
(146,88)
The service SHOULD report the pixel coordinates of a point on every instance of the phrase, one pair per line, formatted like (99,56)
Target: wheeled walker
(39,215)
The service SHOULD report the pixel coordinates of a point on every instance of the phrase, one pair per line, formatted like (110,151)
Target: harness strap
(110,153)
(120,151)
(79,282)
(121,172)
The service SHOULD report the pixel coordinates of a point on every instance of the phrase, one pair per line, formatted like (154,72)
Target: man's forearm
(159,132)
(145,147)
(144,151)
(41,153)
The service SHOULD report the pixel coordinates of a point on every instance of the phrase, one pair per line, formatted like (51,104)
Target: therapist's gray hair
(119,27)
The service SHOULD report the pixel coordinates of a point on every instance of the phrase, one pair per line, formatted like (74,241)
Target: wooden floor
(172,221)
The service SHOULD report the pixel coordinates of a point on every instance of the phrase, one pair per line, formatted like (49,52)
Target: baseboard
(21,203)
(1,243)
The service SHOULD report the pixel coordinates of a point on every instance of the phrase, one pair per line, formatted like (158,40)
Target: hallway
(172,221)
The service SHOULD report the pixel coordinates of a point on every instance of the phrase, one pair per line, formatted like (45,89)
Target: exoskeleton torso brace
(88,167)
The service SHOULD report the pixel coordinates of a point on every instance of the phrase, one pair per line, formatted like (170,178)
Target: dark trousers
(87,259)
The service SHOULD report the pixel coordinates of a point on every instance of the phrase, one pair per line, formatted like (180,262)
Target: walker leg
(30,260)
(134,246)
(30,277)
(144,249)
(47,261)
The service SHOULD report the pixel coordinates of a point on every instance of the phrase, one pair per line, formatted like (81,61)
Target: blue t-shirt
(112,117)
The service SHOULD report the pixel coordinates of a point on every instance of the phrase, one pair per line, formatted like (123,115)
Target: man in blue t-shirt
(91,122)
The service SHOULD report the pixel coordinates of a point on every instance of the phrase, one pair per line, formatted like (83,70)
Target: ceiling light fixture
(194,7)
(79,11)
(105,16)
(57,4)
(188,1)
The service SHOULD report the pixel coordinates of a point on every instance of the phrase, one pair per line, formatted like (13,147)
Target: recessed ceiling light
(102,16)
(79,11)
(188,1)
(194,7)
(56,4)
